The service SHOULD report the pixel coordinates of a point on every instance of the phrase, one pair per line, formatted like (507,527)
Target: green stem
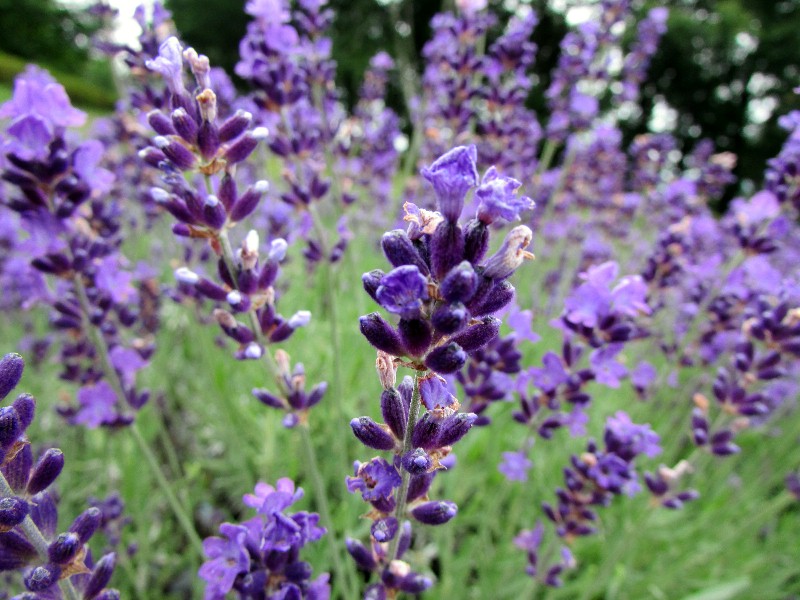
(163,483)
(402,492)
(113,379)
(37,540)
(324,508)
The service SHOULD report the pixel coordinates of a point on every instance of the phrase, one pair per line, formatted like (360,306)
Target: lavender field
(262,343)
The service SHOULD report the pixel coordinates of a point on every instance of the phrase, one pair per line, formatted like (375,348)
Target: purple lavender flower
(260,557)
(515,465)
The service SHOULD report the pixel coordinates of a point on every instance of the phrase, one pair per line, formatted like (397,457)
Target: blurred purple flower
(515,465)
(97,405)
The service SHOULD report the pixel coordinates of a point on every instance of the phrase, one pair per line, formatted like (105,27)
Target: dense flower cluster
(29,537)
(100,303)
(260,558)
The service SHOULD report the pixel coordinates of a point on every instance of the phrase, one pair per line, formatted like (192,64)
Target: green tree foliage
(45,32)
(729,67)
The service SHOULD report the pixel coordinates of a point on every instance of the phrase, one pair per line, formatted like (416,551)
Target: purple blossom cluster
(260,558)
(55,565)
(592,480)
(100,302)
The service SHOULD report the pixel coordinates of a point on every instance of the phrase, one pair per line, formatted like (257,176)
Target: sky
(127,29)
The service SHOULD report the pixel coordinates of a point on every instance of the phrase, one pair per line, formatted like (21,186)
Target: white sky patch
(126,30)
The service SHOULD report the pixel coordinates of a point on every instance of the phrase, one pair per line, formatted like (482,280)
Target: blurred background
(725,70)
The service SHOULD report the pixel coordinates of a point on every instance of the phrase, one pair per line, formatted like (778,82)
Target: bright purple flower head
(267,499)
(435,393)
(626,439)
(227,559)
(607,370)
(402,291)
(515,465)
(551,375)
(498,198)
(97,405)
(37,94)
(452,175)
(375,480)
(169,63)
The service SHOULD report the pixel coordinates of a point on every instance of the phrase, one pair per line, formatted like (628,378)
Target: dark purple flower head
(402,291)
(375,480)
(627,439)
(452,175)
(498,198)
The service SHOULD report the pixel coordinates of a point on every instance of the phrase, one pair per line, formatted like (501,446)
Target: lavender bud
(208,139)
(101,575)
(371,434)
(395,413)
(160,123)
(400,251)
(41,578)
(414,583)
(152,156)
(108,595)
(426,432)
(384,530)
(361,555)
(478,335)
(460,283)
(237,301)
(227,192)
(455,427)
(387,372)
(10,428)
(268,398)
(450,318)
(416,336)
(86,523)
(64,548)
(446,359)
(11,367)
(184,125)
(235,125)
(214,212)
(248,202)
(434,513)
(46,471)
(498,297)
(13,511)
(380,334)
(372,281)
(510,255)
(417,462)
(405,539)
(476,241)
(177,153)
(243,147)
(446,248)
